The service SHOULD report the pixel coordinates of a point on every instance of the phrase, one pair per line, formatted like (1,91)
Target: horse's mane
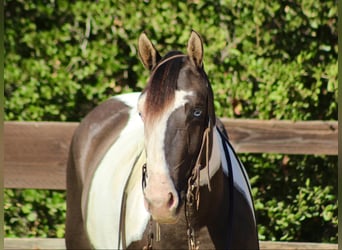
(160,90)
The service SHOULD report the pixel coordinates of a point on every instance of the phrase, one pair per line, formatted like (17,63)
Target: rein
(193,192)
(122,228)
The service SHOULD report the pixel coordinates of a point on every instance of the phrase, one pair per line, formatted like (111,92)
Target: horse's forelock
(160,91)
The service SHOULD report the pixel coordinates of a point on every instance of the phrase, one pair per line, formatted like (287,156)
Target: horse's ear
(195,49)
(147,52)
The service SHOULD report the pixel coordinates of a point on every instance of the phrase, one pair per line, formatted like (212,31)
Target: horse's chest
(173,236)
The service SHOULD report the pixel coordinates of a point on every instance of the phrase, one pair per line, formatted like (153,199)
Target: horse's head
(177,109)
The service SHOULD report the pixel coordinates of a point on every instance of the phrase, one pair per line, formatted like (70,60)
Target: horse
(155,170)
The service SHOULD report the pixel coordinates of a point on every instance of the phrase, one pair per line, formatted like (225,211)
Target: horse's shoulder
(97,132)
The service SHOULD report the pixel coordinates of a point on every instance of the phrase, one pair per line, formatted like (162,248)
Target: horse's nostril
(171,200)
(172,203)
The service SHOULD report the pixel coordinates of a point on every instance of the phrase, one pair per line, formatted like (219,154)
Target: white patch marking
(239,173)
(156,161)
(105,195)
(136,215)
(130,99)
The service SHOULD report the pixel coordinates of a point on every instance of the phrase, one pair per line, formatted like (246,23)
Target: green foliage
(265,60)
(62,58)
(31,213)
(295,196)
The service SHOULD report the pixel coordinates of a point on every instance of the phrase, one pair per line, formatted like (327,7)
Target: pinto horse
(155,170)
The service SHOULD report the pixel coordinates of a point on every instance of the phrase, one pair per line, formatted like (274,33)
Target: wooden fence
(36,154)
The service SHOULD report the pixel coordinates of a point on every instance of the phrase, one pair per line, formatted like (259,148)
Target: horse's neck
(213,203)
(215,160)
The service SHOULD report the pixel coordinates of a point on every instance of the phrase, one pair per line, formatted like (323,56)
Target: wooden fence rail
(36,152)
(36,155)
(39,243)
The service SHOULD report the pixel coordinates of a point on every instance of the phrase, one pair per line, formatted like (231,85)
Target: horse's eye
(197,113)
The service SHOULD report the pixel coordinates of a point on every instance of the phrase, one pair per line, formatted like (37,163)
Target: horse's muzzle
(161,200)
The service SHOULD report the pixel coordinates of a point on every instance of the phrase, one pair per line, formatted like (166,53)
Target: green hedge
(265,60)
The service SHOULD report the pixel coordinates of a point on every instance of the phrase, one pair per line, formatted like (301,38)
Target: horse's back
(100,130)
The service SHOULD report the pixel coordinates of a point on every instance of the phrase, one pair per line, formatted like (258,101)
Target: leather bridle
(193,191)
(192,198)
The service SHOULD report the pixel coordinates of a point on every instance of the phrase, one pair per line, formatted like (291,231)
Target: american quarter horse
(155,170)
